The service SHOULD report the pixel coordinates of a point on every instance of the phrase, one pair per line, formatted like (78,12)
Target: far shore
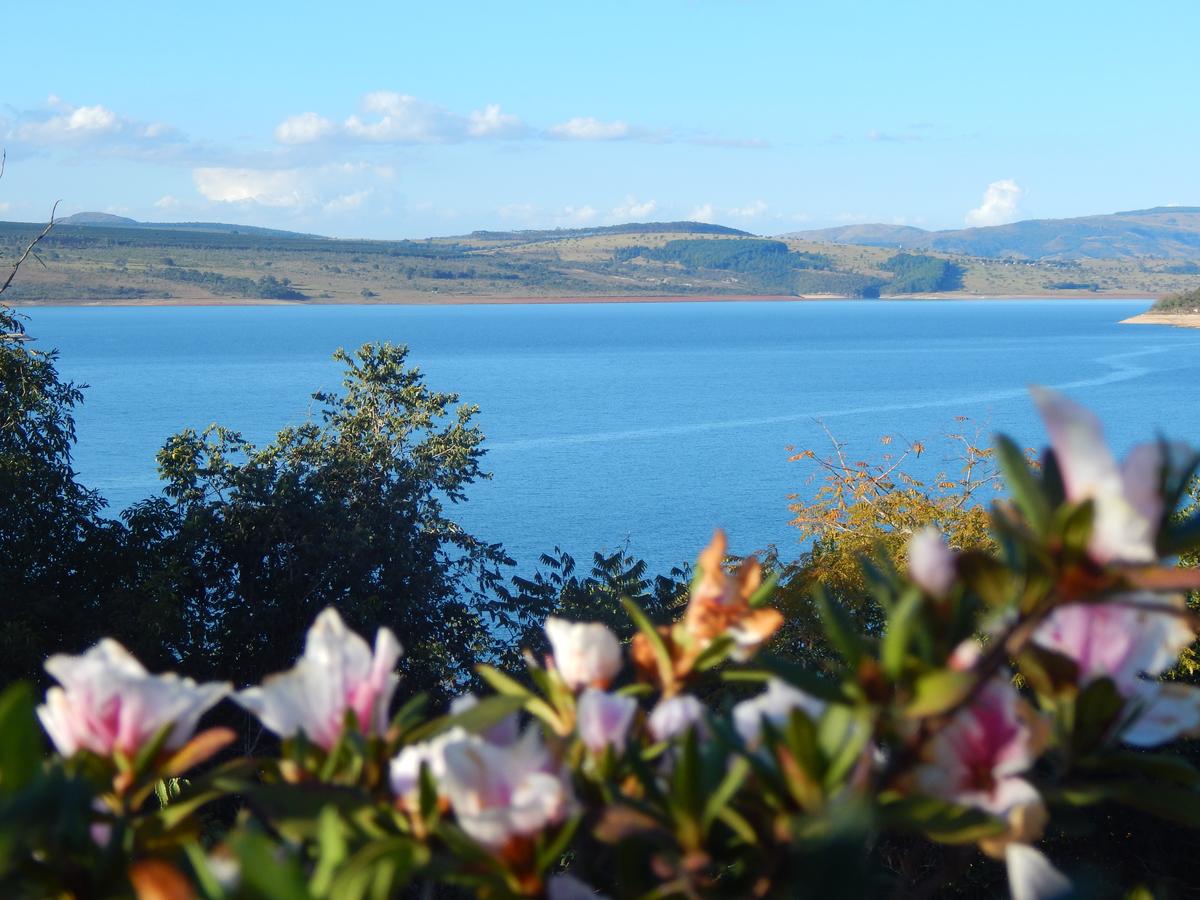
(1179,320)
(429,299)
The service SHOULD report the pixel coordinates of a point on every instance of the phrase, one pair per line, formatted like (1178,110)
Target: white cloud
(4,207)
(347,202)
(388,117)
(521,211)
(335,186)
(403,119)
(999,204)
(492,123)
(702,213)
(266,187)
(97,128)
(303,129)
(74,123)
(579,215)
(632,209)
(166,202)
(586,128)
(750,210)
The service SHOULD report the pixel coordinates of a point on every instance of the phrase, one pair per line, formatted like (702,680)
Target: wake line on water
(1120,371)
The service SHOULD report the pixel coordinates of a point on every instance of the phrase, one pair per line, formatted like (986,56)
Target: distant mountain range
(1164,232)
(1170,232)
(107,220)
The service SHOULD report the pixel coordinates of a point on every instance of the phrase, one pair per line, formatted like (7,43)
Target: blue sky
(405,120)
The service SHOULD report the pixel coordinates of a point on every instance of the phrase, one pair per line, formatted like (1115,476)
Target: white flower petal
(1031,876)
(585,653)
(1171,711)
(931,562)
(675,716)
(775,705)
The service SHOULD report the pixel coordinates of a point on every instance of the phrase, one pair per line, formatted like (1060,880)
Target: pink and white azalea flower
(775,705)
(499,794)
(504,732)
(1131,639)
(1127,500)
(404,771)
(586,654)
(603,720)
(675,716)
(978,757)
(337,674)
(108,703)
(931,562)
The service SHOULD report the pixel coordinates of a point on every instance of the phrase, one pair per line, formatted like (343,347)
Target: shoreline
(1176,320)
(515,299)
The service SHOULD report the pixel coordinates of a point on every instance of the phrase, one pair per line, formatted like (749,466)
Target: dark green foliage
(64,578)
(349,510)
(752,255)
(915,273)
(267,288)
(753,264)
(557,588)
(1073,285)
(632,228)
(1185,302)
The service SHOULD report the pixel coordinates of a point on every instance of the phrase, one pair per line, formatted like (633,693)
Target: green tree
(66,575)
(350,509)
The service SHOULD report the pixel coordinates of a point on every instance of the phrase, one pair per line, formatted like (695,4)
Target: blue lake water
(651,423)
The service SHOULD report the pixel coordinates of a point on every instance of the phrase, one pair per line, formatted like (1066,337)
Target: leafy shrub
(1003,691)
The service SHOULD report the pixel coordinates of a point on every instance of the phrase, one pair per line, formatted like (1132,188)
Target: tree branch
(29,249)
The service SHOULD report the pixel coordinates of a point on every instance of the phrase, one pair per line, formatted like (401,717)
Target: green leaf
(480,717)
(1096,711)
(715,653)
(331,850)
(899,632)
(768,666)
(839,627)
(549,855)
(947,823)
(842,734)
(503,684)
(149,750)
(21,747)
(1022,485)
(938,691)
(410,713)
(1162,767)
(666,671)
(738,825)
(765,591)
(1072,524)
(1049,673)
(1171,802)
(267,873)
(718,800)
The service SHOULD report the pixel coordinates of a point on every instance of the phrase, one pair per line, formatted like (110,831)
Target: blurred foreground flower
(1127,498)
(774,705)
(337,674)
(108,703)
(604,719)
(586,654)
(501,794)
(1130,639)
(720,605)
